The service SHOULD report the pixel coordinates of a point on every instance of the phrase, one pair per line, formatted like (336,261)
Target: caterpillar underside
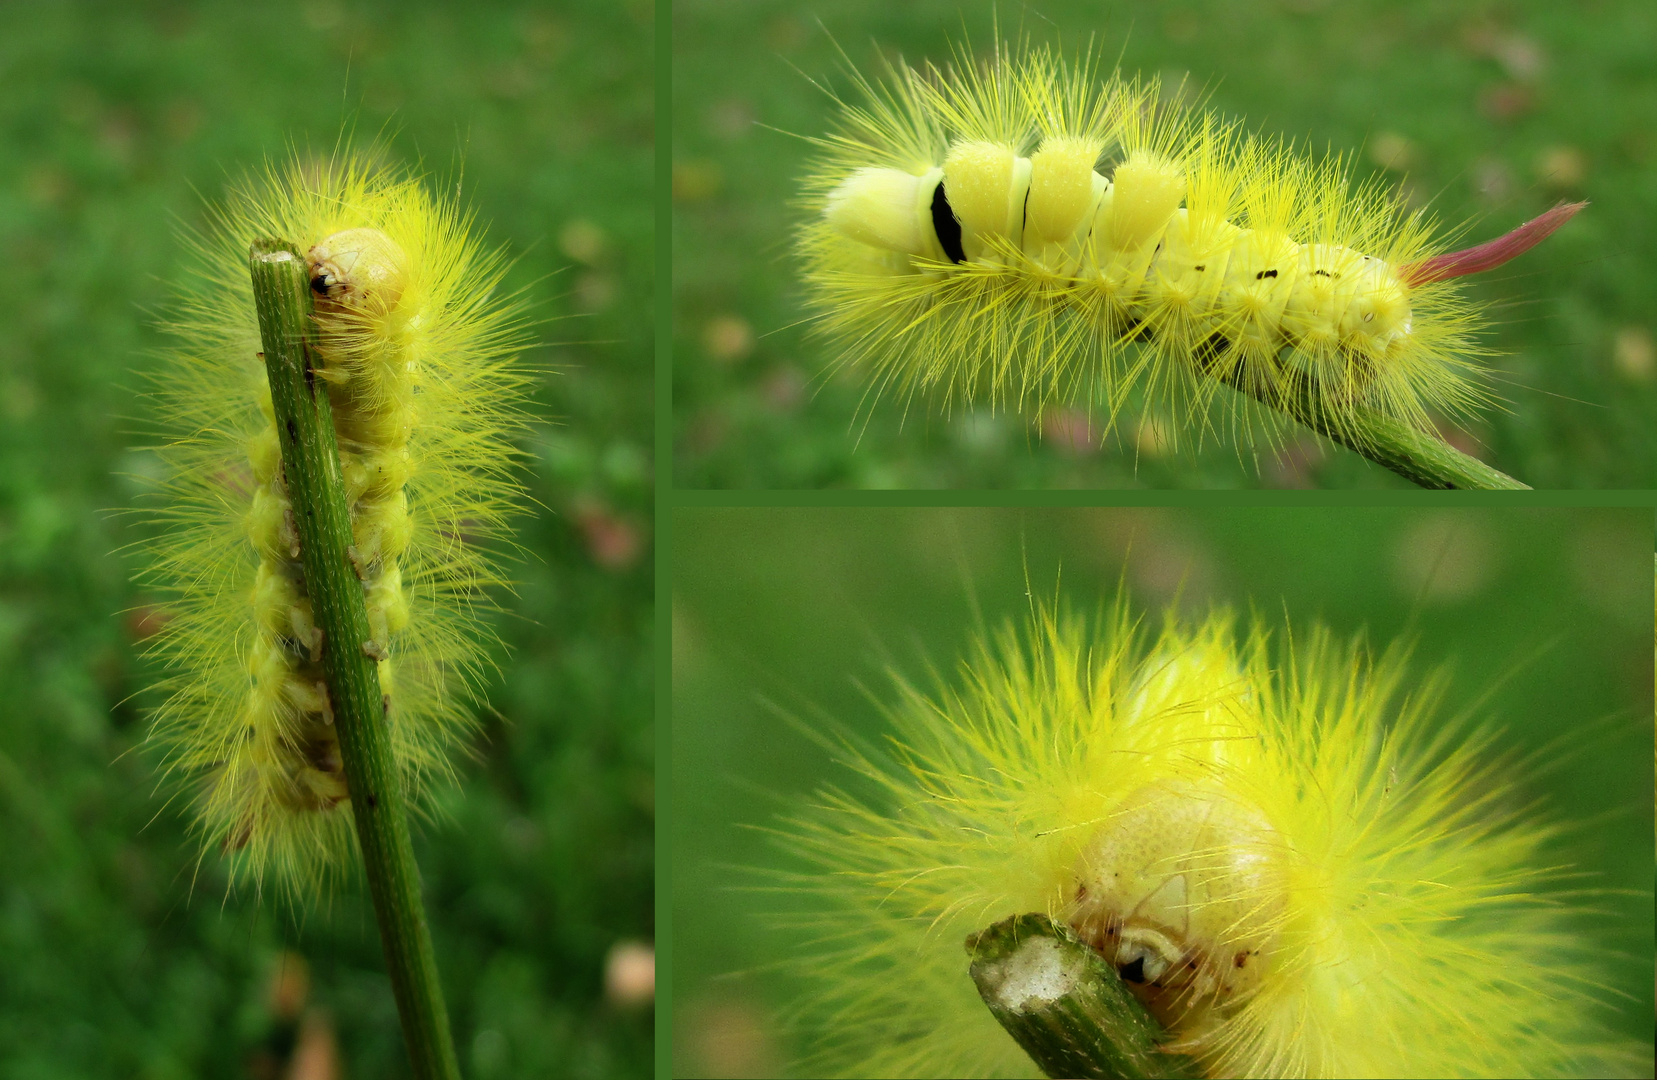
(292,749)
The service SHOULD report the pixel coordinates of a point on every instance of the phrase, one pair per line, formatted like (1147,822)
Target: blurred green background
(809,608)
(1491,109)
(121,956)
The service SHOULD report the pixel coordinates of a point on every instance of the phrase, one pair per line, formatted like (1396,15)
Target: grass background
(1494,109)
(805,607)
(116,121)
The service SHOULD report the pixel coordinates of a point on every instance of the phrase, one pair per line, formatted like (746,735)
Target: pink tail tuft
(1491,254)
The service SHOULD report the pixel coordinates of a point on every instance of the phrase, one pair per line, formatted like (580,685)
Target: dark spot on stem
(373,801)
(293,432)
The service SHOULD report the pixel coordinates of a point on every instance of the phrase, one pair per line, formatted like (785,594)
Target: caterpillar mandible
(417,356)
(1001,232)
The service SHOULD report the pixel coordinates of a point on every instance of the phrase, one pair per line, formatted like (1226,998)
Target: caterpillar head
(357,269)
(885,208)
(1183,889)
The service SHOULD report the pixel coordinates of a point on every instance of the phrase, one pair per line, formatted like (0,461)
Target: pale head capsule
(357,268)
(359,277)
(886,208)
(1183,888)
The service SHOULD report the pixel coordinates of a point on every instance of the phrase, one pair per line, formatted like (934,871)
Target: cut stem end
(1066,1006)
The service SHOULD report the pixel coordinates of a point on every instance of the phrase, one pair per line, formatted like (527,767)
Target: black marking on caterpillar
(945,226)
(1210,350)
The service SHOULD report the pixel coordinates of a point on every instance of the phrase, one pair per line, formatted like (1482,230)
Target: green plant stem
(1066,1005)
(1421,459)
(311,471)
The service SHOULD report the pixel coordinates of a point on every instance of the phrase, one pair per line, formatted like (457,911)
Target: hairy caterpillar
(417,358)
(1002,232)
(1298,864)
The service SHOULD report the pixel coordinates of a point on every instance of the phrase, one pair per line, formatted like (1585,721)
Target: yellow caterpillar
(1298,864)
(418,362)
(1002,232)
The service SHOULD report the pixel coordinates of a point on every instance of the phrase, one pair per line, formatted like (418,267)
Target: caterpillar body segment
(417,359)
(1019,234)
